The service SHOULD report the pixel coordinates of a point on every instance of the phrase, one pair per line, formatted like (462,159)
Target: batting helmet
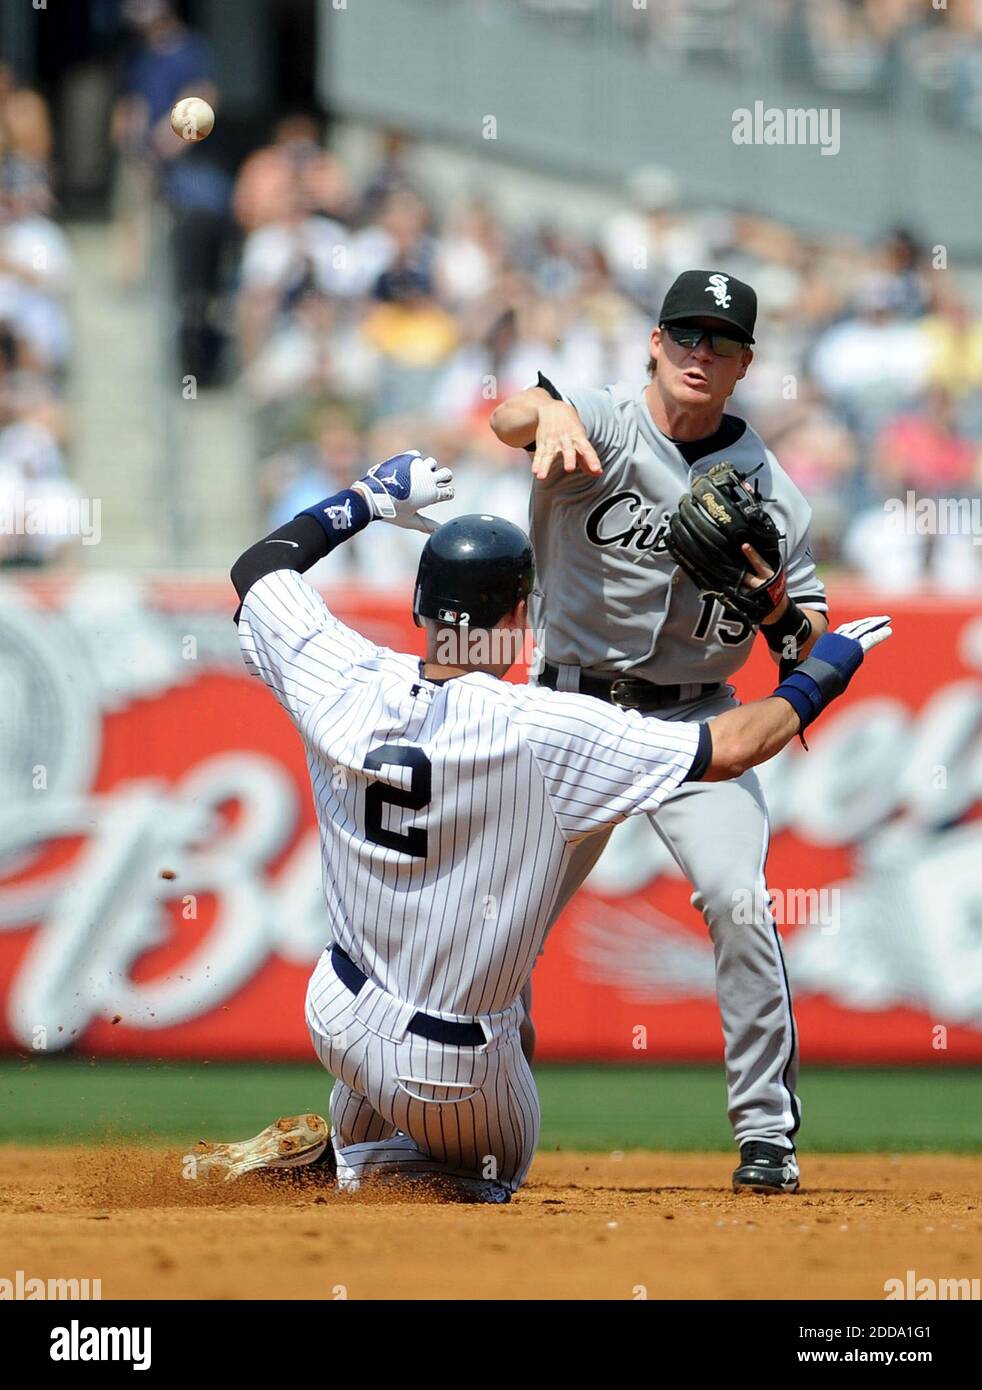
(472,571)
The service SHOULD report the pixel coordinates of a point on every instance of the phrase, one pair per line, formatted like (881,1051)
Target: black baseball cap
(703,293)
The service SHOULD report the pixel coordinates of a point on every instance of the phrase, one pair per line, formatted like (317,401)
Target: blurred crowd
(161,59)
(357,313)
(886,51)
(367,319)
(37,497)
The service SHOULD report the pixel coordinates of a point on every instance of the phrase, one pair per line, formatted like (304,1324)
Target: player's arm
(539,415)
(601,765)
(289,637)
(395,491)
(800,618)
(742,738)
(296,546)
(790,631)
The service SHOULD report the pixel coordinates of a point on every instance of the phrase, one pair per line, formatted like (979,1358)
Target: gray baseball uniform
(611,600)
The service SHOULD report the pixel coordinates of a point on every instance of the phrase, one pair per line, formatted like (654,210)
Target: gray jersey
(611,597)
(449,814)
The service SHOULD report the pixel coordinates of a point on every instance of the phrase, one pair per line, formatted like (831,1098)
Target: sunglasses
(721,344)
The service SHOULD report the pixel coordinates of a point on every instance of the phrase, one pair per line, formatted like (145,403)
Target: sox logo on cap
(717,288)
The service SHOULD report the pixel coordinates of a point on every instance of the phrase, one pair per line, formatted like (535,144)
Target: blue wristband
(340,516)
(823,675)
(803,695)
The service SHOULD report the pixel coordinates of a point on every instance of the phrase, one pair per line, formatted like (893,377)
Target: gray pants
(718,834)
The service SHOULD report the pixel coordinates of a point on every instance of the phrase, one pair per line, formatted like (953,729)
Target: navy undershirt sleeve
(704,756)
(303,541)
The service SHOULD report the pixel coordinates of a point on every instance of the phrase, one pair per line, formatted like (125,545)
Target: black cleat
(766,1168)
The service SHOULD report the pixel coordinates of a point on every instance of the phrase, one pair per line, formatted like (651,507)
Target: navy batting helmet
(472,571)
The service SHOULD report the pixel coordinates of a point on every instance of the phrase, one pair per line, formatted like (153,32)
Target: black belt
(627,692)
(423,1025)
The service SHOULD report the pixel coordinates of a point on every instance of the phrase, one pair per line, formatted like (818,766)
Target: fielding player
(452,807)
(620,620)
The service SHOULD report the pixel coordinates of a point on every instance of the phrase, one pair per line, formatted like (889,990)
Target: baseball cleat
(474,1190)
(293,1142)
(766,1168)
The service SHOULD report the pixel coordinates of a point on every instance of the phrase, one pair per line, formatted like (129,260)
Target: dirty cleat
(766,1168)
(293,1142)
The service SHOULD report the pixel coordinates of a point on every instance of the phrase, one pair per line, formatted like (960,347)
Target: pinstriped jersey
(448,812)
(609,596)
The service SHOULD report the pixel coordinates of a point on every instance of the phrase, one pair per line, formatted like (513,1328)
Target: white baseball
(192,119)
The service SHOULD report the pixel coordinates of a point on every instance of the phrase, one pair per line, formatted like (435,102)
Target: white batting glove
(868,632)
(399,488)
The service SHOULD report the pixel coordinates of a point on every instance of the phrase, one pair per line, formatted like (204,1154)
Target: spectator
(296,160)
(925,452)
(284,259)
(389,176)
(903,261)
(965,26)
(954,344)
(820,454)
(41,516)
(37,498)
(326,464)
(166,63)
(314,351)
(875,361)
(413,334)
(921,458)
(36,268)
(25,124)
(170,61)
(469,256)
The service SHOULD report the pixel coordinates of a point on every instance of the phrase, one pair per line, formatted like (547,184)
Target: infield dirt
(585,1226)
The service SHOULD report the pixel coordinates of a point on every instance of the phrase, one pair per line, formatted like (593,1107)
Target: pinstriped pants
(408,1106)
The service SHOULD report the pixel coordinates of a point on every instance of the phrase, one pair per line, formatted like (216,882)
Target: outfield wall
(159,867)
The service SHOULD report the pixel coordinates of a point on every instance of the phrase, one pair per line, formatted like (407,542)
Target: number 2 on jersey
(379,794)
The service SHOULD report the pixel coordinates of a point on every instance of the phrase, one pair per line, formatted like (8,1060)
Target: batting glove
(868,632)
(399,488)
(844,649)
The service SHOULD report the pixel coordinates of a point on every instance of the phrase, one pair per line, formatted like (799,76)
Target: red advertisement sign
(159,868)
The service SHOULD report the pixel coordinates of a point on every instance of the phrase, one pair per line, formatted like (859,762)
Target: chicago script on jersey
(625,519)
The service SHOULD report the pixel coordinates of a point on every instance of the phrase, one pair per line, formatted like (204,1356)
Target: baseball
(192,119)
